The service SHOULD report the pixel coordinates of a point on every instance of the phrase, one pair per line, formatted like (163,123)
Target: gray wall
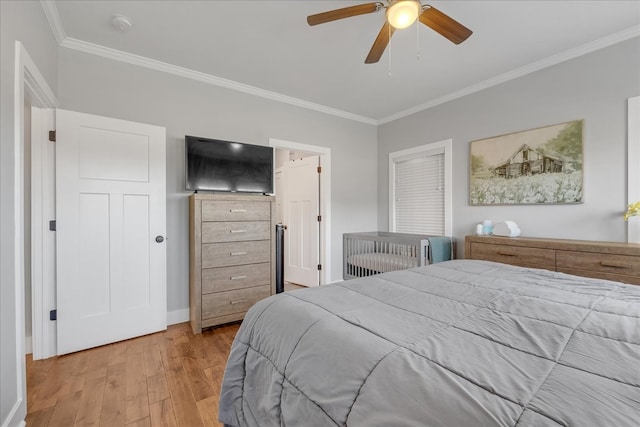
(594,87)
(95,85)
(23,21)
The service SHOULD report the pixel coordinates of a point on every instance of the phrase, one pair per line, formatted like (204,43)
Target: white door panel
(110,190)
(279,196)
(301,209)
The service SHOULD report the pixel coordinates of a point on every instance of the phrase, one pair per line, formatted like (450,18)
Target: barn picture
(528,161)
(536,166)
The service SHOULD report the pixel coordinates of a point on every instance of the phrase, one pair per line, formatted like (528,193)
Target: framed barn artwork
(536,166)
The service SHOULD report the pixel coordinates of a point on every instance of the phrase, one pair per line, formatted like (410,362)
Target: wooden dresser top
(605,260)
(618,248)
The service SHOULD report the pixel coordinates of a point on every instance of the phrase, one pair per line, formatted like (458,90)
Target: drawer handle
(506,253)
(238,277)
(614,264)
(237,210)
(237,231)
(238,301)
(238,253)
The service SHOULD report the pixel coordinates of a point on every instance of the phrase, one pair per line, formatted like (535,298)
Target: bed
(369,253)
(457,343)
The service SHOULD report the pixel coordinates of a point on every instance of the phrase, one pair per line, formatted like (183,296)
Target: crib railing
(365,254)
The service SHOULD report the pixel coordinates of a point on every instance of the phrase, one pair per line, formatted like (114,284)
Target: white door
(110,206)
(302,195)
(279,196)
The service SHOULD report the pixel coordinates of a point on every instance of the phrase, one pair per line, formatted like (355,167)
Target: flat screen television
(216,165)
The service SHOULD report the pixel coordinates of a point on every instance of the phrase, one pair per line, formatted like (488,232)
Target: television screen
(215,165)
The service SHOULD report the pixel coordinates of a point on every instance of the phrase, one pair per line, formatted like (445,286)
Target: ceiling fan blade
(345,12)
(380,44)
(445,25)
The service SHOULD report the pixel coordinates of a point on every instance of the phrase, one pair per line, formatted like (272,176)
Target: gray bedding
(459,343)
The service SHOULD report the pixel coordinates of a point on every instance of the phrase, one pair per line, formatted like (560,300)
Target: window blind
(419,194)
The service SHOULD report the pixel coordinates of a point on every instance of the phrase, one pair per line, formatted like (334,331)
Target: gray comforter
(459,343)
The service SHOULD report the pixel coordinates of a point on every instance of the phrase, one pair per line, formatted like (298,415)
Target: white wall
(594,87)
(23,21)
(100,86)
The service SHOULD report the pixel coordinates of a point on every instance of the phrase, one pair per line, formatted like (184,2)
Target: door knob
(159,239)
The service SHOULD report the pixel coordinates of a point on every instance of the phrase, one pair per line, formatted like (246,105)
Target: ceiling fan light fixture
(403,13)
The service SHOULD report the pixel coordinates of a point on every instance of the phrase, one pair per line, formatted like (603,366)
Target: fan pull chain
(417,41)
(389,29)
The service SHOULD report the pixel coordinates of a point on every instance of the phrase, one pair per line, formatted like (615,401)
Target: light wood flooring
(170,378)
(288,286)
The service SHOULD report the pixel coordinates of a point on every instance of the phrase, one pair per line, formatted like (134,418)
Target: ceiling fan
(400,14)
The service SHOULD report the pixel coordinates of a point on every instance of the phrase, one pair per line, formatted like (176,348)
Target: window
(420,189)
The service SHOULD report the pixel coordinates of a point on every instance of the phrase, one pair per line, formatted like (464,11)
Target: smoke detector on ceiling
(121,22)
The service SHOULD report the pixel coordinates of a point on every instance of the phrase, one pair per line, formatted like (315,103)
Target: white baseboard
(173,317)
(177,316)
(14,418)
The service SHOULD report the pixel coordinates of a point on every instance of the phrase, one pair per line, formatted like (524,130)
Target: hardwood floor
(170,378)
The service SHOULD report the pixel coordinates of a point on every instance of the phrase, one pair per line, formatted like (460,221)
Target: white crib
(369,253)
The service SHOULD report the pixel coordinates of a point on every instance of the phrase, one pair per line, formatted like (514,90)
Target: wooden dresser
(604,260)
(231,256)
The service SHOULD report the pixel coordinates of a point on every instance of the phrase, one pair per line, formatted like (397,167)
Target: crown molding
(51,12)
(519,72)
(118,55)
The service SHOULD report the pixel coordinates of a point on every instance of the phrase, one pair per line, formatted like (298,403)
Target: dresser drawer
(241,210)
(235,253)
(514,255)
(236,277)
(213,232)
(231,302)
(605,263)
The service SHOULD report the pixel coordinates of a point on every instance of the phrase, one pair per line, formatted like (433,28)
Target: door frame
(31,85)
(43,276)
(325,200)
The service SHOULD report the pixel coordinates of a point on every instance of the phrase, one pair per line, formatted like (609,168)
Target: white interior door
(110,206)
(279,196)
(301,210)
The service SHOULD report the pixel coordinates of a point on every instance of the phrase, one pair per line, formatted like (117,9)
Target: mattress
(382,262)
(458,343)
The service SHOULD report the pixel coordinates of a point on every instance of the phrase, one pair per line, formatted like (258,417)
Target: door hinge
(52,225)
(319,218)
(53,315)
(319,266)
(319,169)
(52,135)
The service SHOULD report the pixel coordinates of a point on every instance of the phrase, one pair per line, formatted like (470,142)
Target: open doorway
(298,209)
(302,187)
